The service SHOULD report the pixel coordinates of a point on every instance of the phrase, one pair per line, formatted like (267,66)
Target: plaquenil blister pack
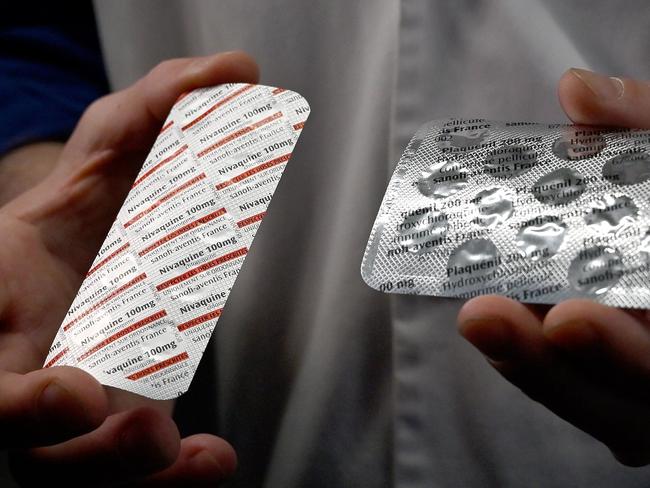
(540,213)
(151,299)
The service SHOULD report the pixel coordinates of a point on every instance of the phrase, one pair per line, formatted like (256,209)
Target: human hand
(587,362)
(60,423)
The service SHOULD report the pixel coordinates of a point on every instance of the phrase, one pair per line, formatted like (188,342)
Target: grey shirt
(316,379)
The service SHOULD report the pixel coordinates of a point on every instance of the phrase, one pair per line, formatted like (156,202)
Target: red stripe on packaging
(201,268)
(107,298)
(122,333)
(166,126)
(183,230)
(158,366)
(251,220)
(239,133)
(257,169)
(216,106)
(162,200)
(199,320)
(107,259)
(161,163)
(56,358)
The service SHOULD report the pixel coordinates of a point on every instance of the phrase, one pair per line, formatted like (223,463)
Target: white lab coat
(316,379)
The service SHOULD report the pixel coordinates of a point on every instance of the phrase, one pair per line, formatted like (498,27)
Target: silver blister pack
(537,212)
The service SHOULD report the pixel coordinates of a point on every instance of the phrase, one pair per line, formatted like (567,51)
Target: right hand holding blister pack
(587,362)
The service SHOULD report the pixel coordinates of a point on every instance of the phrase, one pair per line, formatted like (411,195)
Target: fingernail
(200,63)
(604,87)
(575,334)
(492,336)
(57,404)
(197,65)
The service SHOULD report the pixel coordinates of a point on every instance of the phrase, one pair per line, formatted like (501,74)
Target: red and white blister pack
(151,299)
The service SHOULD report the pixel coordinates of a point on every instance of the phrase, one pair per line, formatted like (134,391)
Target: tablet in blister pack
(151,299)
(537,212)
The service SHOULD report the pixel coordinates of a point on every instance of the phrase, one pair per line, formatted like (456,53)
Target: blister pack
(537,212)
(151,299)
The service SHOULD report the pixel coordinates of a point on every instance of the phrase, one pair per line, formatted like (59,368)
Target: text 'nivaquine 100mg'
(151,299)
(537,212)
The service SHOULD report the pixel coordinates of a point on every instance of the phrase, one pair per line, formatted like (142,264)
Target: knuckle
(100,107)
(166,67)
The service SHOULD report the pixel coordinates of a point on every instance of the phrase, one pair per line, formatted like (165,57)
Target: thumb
(74,207)
(593,99)
(128,121)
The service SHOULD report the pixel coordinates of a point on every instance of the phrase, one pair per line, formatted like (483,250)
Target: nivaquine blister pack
(151,299)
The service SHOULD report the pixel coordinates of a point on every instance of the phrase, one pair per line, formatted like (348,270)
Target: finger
(616,344)
(140,110)
(127,446)
(49,406)
(614,337)
(594,99)
(501,328)
(512,337)
(121,400)
(204,460)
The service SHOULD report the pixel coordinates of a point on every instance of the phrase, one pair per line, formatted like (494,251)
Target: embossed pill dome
(462,135)
(611,213)
(559,187)
(471,264)
(595,270)
(578,142)
(494,205)
(628,168)
(443,179)
(421,230)
(541,237)
(510,161)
